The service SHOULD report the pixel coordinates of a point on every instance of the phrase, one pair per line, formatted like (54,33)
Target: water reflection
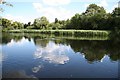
(38,56)
(19,74)
(92,49)
(18,43)
(37,68)
(54,53)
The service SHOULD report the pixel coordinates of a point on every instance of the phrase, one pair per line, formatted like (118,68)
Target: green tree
(0,21)
(29,23)
(6,23)
(93,9)
(94,16)
(41,23)
(56,26)
(20,25)
(56,20)
(15,25)
(116,12)
(75,21)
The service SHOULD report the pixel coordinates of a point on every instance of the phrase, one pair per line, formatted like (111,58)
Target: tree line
(94,18)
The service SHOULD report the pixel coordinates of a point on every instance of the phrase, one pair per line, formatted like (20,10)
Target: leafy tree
(56,26)
(6,23)
(15,25)
(116,12)
(93,17)
(37,23)
(20,25)
(115,19)
(67,26)
(62,24)
(29,23)
(75,21)
(56,20)
(93,9)
(25,26)
(0,22)
(41,23)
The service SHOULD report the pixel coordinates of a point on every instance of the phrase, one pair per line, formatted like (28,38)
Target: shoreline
(65,34)
(87,32)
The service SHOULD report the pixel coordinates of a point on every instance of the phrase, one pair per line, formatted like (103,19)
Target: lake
(34,56)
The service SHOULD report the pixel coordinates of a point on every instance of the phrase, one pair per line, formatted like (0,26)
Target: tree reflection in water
(65,53)
(94,50)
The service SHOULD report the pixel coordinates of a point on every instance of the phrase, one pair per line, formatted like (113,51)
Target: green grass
(76,33)
(52,36)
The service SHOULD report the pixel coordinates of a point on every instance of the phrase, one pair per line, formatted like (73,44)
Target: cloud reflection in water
(53,53)
(36,69)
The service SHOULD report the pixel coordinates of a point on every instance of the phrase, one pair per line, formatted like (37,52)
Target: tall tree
(6,23)
(75,20)
(116,12)
(56,20)
(93,9)
(41,23)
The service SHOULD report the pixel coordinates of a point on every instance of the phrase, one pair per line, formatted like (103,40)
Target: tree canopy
(41,23)
(93,9)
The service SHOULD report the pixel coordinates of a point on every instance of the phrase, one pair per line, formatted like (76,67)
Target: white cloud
(53,12)
(3,57)
(18,18)
(56,2)
(54,53)
(112,8)
(37,6)
(37,68)
(86,5)
(115,6)
(14,18)
(19,43)
(59,13)
(103,3)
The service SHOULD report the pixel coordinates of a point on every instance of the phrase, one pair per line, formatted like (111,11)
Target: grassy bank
(65,32)
(52,36)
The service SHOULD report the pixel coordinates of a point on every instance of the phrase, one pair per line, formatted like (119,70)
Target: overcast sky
(27,10)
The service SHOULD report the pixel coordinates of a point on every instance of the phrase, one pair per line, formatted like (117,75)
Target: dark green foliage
(6,23)
(9,24)
(56,20)
(93,9)
(116,12)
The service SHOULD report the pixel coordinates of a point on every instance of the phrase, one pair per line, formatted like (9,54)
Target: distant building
(119,4)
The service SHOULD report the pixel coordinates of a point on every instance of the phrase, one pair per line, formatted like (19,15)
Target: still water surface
(32,56)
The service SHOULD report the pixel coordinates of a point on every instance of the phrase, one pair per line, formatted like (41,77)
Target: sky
(27,10)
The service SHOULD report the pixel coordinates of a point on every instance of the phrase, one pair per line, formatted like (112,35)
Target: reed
(77,33)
